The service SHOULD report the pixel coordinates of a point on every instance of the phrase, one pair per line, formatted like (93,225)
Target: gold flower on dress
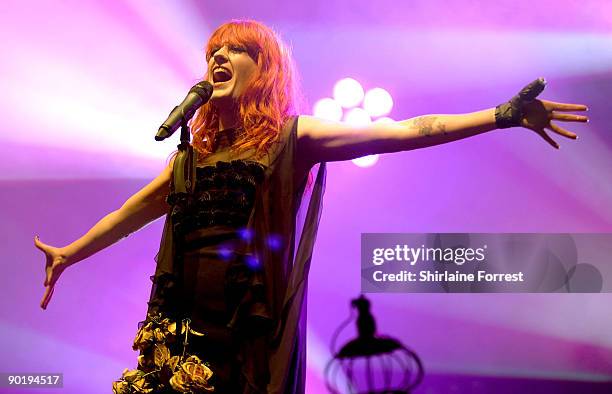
(156,330)
(154,358)
(158,369)
(133,381)
(172,329)
(192,376)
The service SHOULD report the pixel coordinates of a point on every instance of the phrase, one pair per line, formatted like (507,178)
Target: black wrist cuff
(508,115)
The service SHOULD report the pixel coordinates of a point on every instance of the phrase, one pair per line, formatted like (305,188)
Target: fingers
(547,138)
(569,117)
(47,297)
(553,106)
(562,131)
(531,91)
(38,244)
(53,275)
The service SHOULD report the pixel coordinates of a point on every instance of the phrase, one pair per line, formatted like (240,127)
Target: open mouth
(221,75)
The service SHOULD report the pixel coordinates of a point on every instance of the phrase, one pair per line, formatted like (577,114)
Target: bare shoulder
(162,181)
(304,159)
(169,169)
(317,132)
(308,127)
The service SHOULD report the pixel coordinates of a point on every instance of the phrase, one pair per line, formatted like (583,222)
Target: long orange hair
(271,96)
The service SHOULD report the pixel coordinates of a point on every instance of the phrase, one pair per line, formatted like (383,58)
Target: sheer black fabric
(238,225)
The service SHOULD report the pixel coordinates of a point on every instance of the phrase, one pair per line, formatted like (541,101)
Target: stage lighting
(328,109)
(348,92)
(358,117)
(365,161)
(377,102)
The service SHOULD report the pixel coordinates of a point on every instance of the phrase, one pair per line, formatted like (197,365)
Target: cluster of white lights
(354,106)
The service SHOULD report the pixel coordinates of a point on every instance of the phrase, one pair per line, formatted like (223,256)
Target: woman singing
(227,305)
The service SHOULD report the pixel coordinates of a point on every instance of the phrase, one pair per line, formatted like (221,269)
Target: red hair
(271,95)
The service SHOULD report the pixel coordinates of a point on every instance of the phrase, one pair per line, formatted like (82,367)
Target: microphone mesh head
(203,89)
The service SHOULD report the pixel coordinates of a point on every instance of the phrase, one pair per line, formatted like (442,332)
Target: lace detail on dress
(224,195)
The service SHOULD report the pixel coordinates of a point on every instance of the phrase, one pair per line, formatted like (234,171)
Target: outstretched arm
(333,141)
(140,209)
(322,140)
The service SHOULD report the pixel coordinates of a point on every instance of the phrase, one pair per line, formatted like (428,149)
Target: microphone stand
(185,162)
(183,181)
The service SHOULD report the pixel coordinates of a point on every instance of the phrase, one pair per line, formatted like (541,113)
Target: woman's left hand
(538,114)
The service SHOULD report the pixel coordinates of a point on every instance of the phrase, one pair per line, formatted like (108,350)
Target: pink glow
(348,92)
(377,102)
(328,108)
(86,84)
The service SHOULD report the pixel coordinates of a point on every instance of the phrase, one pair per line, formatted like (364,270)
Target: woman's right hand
(56,263)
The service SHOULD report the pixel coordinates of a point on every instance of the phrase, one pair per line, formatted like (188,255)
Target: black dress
(233,262)
(216,272)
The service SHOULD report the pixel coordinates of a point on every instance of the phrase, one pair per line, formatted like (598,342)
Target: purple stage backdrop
(85,85)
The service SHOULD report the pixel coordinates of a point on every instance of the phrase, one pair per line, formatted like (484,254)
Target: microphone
(198,95)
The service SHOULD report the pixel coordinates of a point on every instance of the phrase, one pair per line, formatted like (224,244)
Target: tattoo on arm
(425,125)
(441,128)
